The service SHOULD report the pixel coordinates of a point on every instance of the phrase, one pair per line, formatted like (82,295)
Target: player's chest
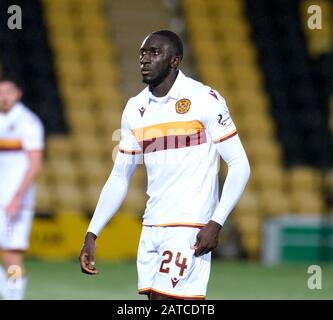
(10,136)
(9,129)
(181,110)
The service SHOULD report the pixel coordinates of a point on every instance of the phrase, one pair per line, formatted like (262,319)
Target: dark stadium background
(78,62)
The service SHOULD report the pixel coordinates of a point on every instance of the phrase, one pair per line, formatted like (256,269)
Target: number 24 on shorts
(169,259)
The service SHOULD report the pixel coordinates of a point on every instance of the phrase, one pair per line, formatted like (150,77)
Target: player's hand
(87,261)
(14,206)
(207,238)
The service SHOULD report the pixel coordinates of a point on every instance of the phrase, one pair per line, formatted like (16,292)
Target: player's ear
(175,61)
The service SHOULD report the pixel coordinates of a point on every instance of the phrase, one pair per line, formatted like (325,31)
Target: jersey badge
(183,105)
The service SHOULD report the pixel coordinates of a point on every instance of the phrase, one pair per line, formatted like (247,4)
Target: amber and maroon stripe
(144,290)
(170,135)
(178,224)
(10,145)
(226,137)
(173,142)
(132,152)
(168,129)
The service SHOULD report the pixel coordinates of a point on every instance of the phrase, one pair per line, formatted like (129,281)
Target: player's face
(155,59)
(9,95)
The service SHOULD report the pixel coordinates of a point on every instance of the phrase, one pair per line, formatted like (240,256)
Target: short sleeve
(33,134)
(217,118)
(128,143)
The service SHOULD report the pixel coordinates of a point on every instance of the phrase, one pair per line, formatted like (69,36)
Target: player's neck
(161,89)
(4,110)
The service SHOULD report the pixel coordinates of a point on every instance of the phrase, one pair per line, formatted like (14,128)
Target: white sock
(16,290)
(3,283)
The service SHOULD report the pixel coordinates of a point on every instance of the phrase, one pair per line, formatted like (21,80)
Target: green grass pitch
(229,280)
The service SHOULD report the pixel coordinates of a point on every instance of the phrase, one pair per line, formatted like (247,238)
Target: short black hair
(174,40)
(12,78)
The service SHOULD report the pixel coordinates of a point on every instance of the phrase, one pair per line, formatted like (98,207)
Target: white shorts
(167,265)
(15,232)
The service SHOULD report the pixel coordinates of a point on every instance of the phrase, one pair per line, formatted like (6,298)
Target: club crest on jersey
(183,105)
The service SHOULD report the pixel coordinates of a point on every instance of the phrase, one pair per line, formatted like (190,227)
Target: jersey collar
(173,92)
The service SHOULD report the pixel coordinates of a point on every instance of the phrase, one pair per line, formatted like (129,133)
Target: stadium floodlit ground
(229,280)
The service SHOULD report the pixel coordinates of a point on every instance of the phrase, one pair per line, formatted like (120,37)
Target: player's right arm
(33,145)
(110,199)
(112,195)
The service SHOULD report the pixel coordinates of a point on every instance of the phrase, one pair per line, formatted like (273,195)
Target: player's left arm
(238,174)
(224,135)
(35,158)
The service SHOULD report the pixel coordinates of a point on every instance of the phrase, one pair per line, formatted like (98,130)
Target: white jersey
(176,135)
(20,131)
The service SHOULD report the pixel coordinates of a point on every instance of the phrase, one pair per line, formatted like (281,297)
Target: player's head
(10,93)
(160,54)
